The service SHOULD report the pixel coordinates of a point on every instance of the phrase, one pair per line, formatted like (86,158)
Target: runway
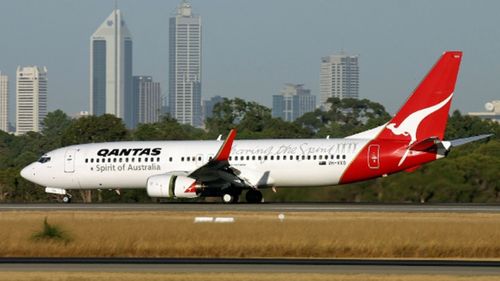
(333,266)
(265,207)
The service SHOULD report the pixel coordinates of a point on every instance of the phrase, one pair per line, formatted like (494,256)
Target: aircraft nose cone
(28,172)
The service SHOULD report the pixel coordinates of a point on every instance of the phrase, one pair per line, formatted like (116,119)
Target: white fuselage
(262,163)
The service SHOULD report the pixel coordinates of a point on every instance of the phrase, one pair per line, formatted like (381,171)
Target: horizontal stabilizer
(462,141)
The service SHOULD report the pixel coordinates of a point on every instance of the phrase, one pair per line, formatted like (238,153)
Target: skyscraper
(339,77)
(31,98)
(111,69)
(185,66)
(293,102)
(4,103)
(149,108)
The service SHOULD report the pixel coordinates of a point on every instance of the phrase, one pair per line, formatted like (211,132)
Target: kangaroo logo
(410,125)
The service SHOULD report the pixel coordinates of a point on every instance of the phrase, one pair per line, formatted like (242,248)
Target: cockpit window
(44,159)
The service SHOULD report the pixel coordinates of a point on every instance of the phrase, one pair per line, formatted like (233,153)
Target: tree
(167,129)
(91,129)
(54,126)
(344,117)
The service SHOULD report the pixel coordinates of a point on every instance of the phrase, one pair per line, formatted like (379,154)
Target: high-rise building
(339,77)
(149,108)
(185,66)
(31,98)
(111,70)
(4,102)
(293,102)
(208,106)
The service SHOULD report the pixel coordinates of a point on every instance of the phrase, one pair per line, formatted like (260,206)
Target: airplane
(216,168)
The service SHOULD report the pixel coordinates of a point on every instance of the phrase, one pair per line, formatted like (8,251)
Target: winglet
(225,149)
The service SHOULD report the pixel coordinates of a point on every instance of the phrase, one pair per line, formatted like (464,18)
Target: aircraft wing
(218,168)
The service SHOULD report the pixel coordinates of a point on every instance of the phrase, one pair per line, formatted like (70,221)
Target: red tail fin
(425,113)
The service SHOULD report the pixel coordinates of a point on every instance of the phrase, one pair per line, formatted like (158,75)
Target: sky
(252,48)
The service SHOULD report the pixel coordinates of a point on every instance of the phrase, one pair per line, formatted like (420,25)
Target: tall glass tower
(111,70)
(185,66)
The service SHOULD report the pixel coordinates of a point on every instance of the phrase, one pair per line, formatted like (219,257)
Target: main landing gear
(253,196)
(233,196)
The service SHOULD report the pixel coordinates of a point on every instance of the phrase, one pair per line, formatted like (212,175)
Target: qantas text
(129,152)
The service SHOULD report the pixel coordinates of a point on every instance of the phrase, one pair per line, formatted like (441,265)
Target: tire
(253,196)
(66,199)
(230,198)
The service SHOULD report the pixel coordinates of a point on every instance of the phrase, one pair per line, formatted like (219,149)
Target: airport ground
(298,234)
(400,231)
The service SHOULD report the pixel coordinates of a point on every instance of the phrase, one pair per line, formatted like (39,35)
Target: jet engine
(168,185)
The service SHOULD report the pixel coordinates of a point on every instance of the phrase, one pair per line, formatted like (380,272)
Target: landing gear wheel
(230,198)
(66,199)
(253,196)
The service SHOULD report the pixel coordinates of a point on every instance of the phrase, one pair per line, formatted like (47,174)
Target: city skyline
(252,59)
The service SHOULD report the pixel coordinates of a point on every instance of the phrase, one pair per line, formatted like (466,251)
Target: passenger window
(253,157)
(126,159)
(314,157)
(86,160)
(91,160)
(248,157)
(114,160)
(145,159)
(152,159)
(265,157)
(230,158)
(109,160)
(260,157)
(157,159)
(170,159)
(297,157)
(139,160)
(199,158)
(338,156)
(308,157)
(303,157)
(182,159)
(120,159)
(343,156)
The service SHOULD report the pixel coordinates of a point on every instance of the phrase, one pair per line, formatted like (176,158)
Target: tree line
(469,174)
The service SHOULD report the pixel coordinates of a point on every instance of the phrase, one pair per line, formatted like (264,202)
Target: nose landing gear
(66,198)
(61,194)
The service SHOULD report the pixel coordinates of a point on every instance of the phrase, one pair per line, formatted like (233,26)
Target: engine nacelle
(165,186)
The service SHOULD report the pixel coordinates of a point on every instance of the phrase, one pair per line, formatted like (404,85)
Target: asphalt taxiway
(265,207)
(332,266)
